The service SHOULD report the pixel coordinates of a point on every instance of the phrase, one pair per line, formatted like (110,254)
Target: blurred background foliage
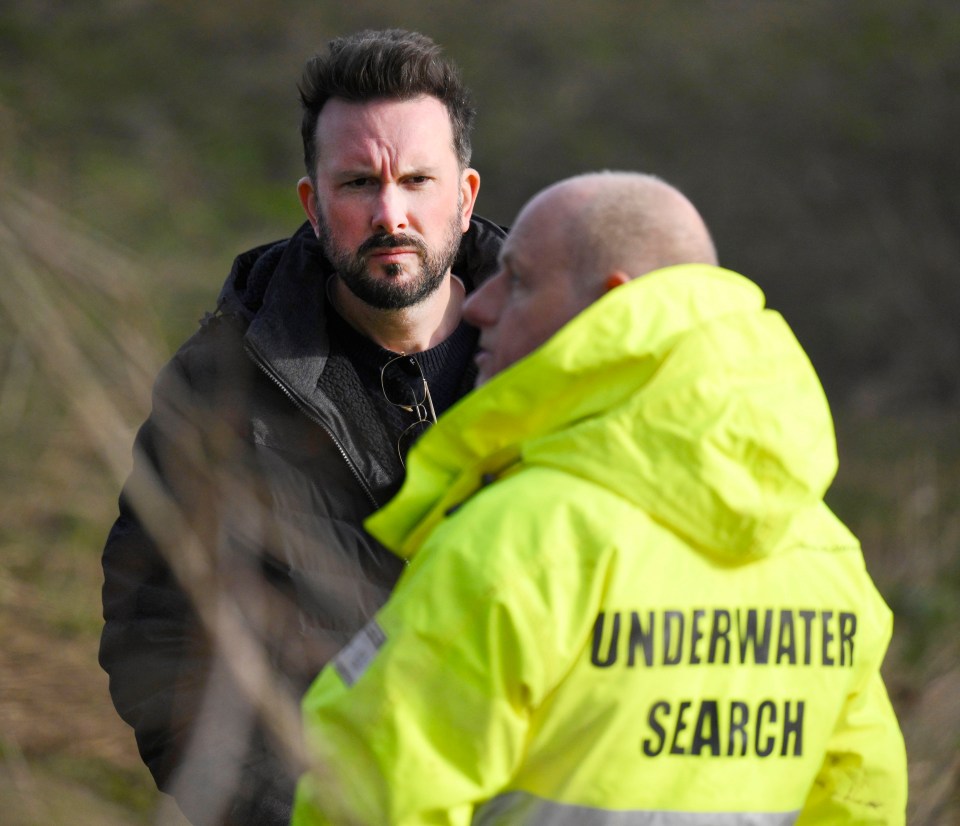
(143,144)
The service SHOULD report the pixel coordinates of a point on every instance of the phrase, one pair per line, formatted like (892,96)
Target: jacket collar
(281,289)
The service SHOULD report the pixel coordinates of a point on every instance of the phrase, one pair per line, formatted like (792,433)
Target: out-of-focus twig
(76,309)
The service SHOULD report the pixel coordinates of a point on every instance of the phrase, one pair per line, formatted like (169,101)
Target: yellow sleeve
(863,779)
(426,712)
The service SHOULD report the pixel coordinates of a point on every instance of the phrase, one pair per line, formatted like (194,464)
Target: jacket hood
(678,391)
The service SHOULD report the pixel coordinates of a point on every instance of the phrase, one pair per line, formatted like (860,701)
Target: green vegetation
(143,144)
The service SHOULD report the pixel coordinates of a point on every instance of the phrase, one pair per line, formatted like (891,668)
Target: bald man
(626,601)
(573,243)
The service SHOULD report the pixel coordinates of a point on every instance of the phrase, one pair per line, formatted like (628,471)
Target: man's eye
(358,183)
(416,180)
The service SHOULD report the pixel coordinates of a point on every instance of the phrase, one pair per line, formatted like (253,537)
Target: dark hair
(393,64)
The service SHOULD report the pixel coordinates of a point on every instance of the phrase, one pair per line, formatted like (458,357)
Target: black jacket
(261,457)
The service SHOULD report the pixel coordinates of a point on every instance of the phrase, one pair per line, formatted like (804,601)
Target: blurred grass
(80,345)
(899,489)
(70,310)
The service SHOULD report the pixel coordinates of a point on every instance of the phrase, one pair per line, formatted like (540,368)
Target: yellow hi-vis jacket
(626,601)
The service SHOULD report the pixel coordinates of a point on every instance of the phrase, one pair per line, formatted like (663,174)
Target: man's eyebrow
(421,169)
(354,172)
(361,171)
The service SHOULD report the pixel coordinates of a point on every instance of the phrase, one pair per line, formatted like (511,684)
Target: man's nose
(390,211)
(482,307)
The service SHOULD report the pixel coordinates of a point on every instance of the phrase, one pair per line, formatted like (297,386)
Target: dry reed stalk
(74,305)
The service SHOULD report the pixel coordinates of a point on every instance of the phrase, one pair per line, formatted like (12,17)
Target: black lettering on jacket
(848,628)
(739,714)
(704,637)
(699,728)
(720,631)
(807,617)
(652,748)
(771,710)
(672,637)
(611,657)
(696,635)
(748,636)
(825,618)
(642,638)
(706,733)
(787,639)
(680,726)
(793,726)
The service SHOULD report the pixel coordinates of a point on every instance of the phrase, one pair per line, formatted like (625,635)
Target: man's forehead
(419,124)
(533,233)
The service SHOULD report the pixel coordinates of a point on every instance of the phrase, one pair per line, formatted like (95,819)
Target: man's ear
(469,187)
(615,279)
(308,201)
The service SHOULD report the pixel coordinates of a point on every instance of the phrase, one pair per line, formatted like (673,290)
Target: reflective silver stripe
(530,810)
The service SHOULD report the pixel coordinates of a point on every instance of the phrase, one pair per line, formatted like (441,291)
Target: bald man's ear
(615,279)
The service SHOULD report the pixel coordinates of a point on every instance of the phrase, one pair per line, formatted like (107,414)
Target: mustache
(385,240)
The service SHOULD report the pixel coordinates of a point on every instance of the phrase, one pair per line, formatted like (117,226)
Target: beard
(386,291)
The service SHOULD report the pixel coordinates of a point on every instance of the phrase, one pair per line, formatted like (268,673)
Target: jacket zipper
(305,409)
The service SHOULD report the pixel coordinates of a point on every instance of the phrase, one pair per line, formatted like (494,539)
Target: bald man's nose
(484,305)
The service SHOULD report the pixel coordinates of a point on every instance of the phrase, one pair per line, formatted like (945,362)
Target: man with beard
(238,565)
